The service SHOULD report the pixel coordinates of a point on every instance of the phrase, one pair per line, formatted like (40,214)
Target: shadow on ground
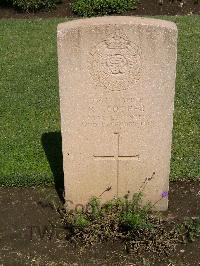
(52,145)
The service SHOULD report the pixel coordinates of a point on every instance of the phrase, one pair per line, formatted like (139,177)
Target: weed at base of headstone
(128,220)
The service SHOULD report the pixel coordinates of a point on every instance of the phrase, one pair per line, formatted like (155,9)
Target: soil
(146,7)
(31,232)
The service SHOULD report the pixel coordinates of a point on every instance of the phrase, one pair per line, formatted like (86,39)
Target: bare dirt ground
(31,232)
(145,7)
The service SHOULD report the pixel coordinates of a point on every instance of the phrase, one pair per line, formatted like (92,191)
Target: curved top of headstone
(119,20)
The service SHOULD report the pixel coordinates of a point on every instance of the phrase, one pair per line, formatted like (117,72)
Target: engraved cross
(117,157)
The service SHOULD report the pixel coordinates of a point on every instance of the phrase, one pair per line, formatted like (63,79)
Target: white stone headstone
(117,84)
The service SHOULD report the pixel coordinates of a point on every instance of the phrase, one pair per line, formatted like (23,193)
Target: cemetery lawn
(30,140)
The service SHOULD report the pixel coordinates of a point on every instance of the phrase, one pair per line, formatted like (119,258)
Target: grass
(185,162)
(29,99)
(29,102)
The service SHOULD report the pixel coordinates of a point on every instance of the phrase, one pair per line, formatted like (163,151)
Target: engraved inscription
(116,62)
(124,112)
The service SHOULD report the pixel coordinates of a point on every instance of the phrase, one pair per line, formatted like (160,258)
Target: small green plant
(190,229)
(135,221)
(34,5)
(134,217)
(89,8)
(128,220)
(81,221)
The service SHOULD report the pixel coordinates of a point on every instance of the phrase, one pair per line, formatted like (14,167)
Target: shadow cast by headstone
(52,145)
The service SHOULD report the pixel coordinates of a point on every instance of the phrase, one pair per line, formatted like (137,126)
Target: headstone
(117,84)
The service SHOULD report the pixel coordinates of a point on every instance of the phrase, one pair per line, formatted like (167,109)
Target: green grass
(29,103)
(186,145)
(29,99)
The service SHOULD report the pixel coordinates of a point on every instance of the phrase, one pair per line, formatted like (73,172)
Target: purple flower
(165,194)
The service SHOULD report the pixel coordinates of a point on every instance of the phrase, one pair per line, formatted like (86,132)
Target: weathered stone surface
(117,83)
